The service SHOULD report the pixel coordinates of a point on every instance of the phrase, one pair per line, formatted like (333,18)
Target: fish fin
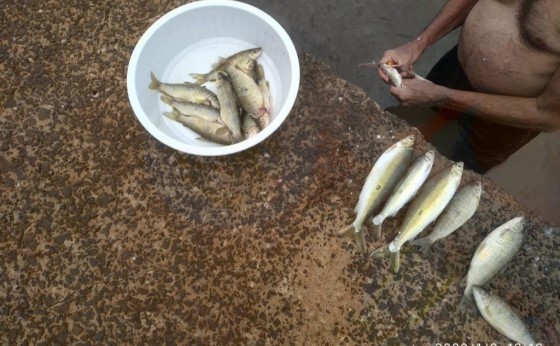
(219,62)
(464,281)
(199,78)
(467,301)
(356,234)
(166,99)
(424,243)
(154,85)
(171,115)
(396,261)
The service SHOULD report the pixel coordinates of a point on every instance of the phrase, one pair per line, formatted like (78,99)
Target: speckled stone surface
(109,237)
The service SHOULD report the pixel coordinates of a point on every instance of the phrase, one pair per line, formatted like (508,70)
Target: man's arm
(540,113)
(452,15)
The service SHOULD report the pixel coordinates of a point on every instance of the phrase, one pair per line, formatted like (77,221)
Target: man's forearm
(452,15)
(506,110)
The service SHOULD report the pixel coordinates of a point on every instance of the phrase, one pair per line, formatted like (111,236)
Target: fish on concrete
(502,316)
(493,254)
(415,176)
(430,202)
(188,92)
(244,60)
(462,207)
(386,173)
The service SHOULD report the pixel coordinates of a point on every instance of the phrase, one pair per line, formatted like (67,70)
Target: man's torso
(511,47)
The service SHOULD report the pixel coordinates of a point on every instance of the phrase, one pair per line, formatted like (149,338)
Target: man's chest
(539,24)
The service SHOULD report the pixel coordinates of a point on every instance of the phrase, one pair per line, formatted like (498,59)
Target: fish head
(481,296)
(477,189)
(255,52)
(457,169)
(429,156)
(517,224)
(247,63)
(408,142)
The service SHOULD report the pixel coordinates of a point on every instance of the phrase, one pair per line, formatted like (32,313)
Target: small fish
(209,130)
(249,127)
(264,86)
(187,92)
(244,60)
(494,252)
(229,110)
(391,72)
(248,92)
(432,198)
(502,317)
(461,208)
(415,176)
(381,180)
(194,109)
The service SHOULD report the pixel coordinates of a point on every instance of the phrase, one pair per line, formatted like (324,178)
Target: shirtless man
(501,82)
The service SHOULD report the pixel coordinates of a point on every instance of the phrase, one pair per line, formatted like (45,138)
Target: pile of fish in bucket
(240,108)
(397,179)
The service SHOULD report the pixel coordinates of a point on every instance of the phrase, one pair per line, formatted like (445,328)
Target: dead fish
(249,127)
(381,180)
(209,130)
(494,252)
(415,176)
(248,92)
(244,60)
(392,73)
(461,208)
(263,84)
(187,92)
(229,110)
(194,109)
(432,198)
(502,317)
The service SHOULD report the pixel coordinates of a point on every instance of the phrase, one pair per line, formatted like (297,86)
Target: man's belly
(494,57)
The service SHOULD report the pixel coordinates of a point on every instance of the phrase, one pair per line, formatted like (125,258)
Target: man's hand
(415,92)
(402,58)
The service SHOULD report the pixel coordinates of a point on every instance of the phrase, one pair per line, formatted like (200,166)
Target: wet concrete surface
(109,237)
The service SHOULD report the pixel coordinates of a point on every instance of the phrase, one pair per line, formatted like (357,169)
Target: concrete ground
(346,34)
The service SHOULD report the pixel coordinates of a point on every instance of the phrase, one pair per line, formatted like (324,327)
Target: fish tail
(377,224)
(154,85)
(172,115)
(467,301)
(424,243)
(396,261)
(354,232)
(199,78)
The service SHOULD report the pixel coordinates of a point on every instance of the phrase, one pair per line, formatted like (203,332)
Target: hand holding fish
(402,58)
(420,92)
